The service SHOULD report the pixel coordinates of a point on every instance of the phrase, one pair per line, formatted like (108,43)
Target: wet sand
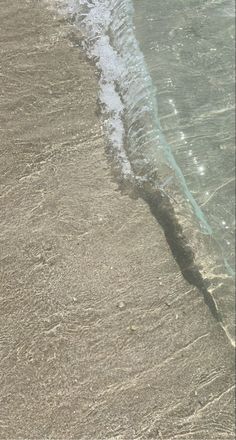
(101,337)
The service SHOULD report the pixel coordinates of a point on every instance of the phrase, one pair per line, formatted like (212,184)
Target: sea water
(189,50)
(167,100)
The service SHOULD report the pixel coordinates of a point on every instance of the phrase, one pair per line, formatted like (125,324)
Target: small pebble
(121,305)
(133,328)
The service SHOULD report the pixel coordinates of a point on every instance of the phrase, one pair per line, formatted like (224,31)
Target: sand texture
(101,337)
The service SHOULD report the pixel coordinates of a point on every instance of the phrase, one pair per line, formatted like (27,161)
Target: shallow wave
(127,95)
(128,99)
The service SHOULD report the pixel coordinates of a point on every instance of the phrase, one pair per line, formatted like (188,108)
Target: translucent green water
(188,46)
(166,93)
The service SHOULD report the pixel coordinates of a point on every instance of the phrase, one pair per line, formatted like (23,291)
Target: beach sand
(101,337)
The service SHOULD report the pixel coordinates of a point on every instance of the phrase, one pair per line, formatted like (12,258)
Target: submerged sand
(101,337)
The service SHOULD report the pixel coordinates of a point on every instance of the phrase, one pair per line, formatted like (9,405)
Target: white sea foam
(126,94)
(125,86)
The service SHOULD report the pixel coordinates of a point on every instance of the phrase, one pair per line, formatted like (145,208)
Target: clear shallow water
(189,49)
(167,98)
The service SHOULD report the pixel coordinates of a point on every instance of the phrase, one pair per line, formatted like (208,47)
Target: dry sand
(101,337)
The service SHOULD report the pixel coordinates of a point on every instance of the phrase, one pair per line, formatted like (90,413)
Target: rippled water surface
(189,48)
(166,93)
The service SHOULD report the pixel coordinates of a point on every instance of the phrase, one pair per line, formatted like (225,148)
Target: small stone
(121,305)
(132,328)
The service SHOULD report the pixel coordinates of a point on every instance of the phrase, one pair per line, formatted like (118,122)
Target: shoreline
(102,337)
(198,254)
